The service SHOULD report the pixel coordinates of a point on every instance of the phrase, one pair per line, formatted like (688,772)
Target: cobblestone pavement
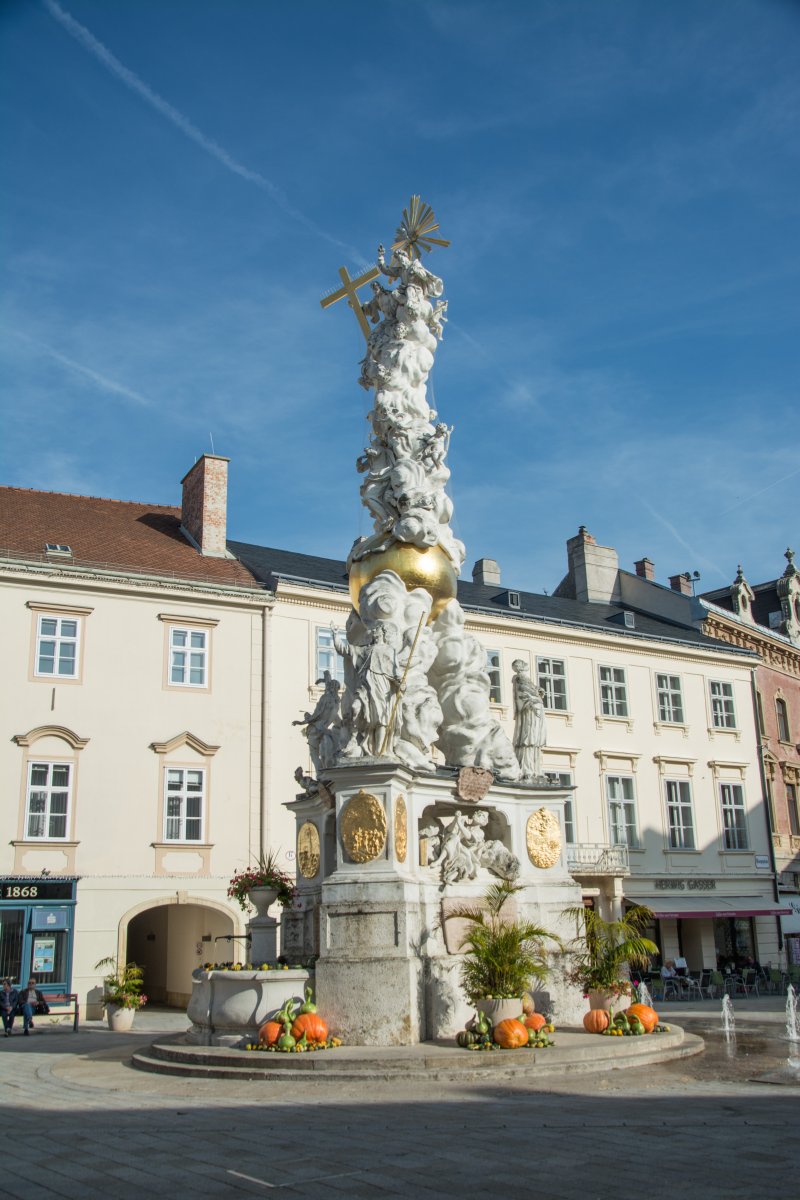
(78,1122)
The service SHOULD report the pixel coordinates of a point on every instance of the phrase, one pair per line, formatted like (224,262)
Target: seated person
(668,970)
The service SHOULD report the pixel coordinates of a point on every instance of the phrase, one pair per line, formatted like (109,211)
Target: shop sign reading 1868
(40,889)
(685,885)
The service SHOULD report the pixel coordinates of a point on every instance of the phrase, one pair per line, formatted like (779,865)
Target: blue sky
(183,179)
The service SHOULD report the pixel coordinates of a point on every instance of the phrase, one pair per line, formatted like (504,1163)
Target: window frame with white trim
(669,710)
(48,789)
(625,802)
(613,693)
(494,669)
(679,808)
(722,705)
(733,814)
(553,682)
(183,796)
(326,656)
(67,668)
(188,665)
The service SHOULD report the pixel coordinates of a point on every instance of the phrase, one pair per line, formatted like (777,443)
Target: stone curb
(574,1053)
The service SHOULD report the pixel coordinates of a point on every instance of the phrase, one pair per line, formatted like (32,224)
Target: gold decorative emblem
(308,849)
(400,829)
(543,838)
(363,827)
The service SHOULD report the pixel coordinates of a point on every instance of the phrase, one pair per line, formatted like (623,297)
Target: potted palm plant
(503,958)
(122,993)
(604,950)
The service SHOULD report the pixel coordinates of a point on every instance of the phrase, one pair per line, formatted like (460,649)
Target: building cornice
(776,652)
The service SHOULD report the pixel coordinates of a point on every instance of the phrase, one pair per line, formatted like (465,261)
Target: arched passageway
(169,941)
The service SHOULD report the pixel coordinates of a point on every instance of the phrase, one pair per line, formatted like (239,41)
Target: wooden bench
(63,1004)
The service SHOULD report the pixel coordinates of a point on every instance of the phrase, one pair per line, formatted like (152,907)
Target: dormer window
(58,549)
(513,599)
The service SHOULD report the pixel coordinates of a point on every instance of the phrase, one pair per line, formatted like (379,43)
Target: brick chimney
(204,506)
(486,571)
(645,568)
(682,584)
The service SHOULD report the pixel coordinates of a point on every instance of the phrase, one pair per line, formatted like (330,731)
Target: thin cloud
(109,385)
(103,55)
(696,555)
(760,492)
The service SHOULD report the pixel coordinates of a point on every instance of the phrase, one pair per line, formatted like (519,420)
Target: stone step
(572,1053)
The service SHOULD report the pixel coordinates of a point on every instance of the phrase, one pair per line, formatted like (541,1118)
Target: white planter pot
(262,898)
(120,1019)
(500,1010)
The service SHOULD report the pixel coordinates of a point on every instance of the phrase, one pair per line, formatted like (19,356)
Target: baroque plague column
(420,799)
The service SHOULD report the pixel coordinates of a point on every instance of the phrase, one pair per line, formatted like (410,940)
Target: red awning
(718,907)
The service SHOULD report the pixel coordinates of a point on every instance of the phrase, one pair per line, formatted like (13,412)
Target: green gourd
(466,1038)
(307,1006)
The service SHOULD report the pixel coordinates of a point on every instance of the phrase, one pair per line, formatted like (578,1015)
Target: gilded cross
(349,289)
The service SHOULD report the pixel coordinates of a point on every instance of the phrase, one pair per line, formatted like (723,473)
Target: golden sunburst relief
(415,231)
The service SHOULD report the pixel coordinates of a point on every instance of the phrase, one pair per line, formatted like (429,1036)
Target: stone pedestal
(263,928)
(389,956)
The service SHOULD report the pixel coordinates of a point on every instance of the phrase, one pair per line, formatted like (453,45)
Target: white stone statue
(530,731)
(470,736)
(322,727)
(461,849)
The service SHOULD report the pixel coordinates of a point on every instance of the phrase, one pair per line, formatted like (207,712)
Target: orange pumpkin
(597,1020)
(312,1025)
(647,1015)
(269,1033)
(510,1034)
(535,1021)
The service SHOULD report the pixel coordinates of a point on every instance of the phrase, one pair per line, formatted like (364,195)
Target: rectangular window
(733,817)
(47,807)
(794,812)
(670,700)
(184,804)
(327,658)
(57,646)
(622,811)
(723,715)
(679,814)
(613,692)
(782,714)
(188,657)
(564,779)
(552,676)
(495,677)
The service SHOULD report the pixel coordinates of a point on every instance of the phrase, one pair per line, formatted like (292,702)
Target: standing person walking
(9,999)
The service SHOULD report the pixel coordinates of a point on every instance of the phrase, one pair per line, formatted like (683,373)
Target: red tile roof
(143,538)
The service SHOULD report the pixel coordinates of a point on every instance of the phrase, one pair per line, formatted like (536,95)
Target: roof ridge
(10,487)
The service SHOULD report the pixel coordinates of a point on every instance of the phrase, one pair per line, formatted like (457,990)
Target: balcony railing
(597,858)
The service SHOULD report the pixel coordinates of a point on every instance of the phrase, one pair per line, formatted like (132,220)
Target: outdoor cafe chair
(750,983)
(718,982)
(705,983)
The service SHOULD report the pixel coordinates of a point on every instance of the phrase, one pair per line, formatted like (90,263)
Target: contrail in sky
(760,492)
(101,380)
(132,81)
(695,555)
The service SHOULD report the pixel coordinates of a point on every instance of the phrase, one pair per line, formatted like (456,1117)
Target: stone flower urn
(262,898)
(120,1020)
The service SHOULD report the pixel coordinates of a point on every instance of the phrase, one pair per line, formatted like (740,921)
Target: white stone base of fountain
(228,1008)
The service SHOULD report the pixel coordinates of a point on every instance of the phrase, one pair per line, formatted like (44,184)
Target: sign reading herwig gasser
(37,889)
(685,885)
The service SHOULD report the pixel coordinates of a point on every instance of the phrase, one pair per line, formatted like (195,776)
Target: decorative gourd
(482,1023)
(535,1021)
(312,1025)
(597,1020)
(308,1005)
(511,1034)
(644,1013)
(269,1033)
(528,1004)
(466,1038)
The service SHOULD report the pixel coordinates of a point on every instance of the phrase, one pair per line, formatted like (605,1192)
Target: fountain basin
(227,1008)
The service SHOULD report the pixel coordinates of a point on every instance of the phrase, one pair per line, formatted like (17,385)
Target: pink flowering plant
(265,873)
